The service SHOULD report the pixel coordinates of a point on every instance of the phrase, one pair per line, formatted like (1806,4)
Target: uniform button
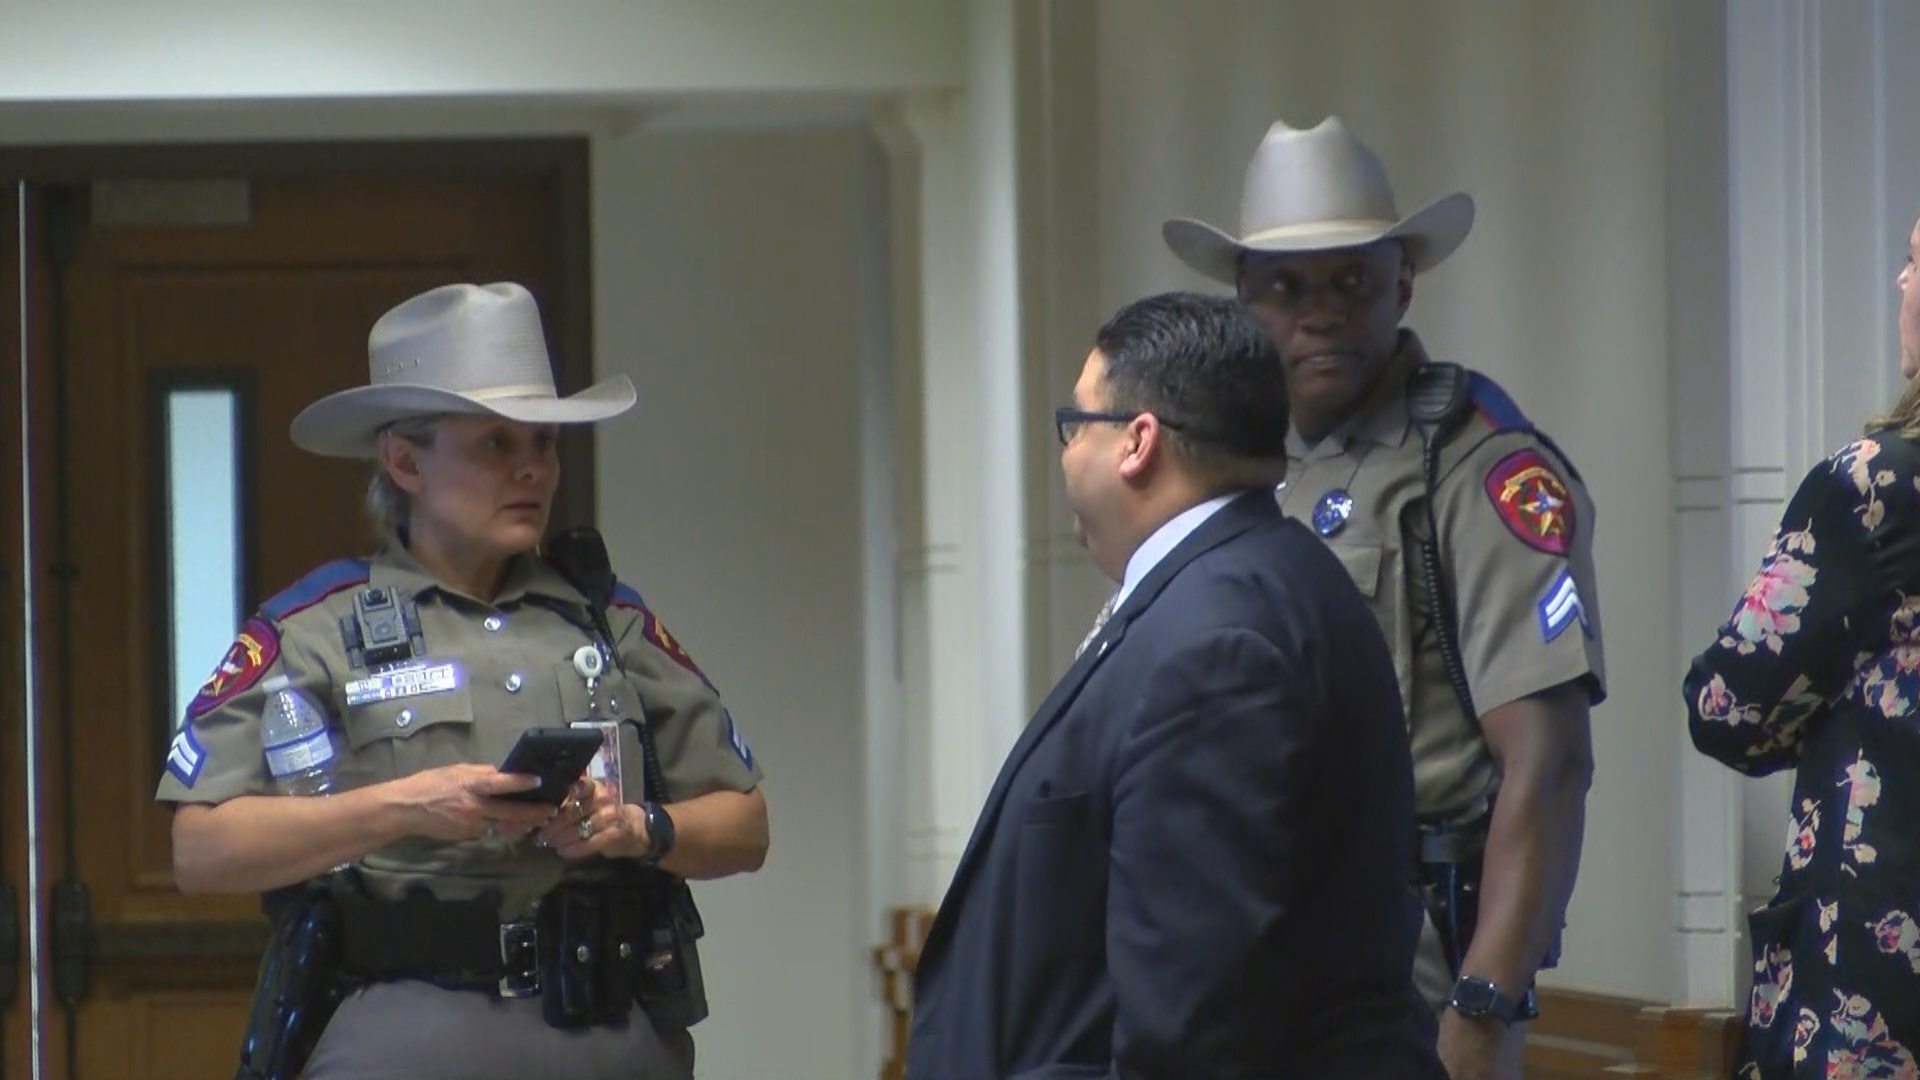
(615,703)
(494,623)
(405,717)
(513,683)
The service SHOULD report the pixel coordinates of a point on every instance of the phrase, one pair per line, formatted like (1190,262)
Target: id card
(604,769)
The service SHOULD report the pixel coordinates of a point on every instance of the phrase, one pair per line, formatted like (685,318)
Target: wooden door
(176,329)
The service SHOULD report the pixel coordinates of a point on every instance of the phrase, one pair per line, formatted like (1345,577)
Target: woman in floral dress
(1818,669)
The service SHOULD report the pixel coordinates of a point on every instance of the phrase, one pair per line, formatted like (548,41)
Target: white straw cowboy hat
(475,349)
(1318,190)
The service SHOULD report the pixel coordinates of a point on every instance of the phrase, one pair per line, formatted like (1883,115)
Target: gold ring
(586,828)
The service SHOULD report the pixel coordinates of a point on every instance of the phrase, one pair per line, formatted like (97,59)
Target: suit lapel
(1050,710)
(1232,519)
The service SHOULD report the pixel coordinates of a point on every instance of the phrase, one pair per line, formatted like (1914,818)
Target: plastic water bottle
(298,744)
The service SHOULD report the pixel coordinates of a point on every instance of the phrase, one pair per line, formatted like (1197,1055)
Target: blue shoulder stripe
(315,587)
(625,596)
(1492,403)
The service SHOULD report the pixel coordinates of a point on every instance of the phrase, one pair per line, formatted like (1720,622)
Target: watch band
(659,832)
(1475,996)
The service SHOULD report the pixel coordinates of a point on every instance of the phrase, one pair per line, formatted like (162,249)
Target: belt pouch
(574,922)
(623,947)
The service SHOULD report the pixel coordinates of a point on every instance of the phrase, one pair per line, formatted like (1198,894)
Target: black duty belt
(1458,839)
(582,952)
(456,942)
(1441,846)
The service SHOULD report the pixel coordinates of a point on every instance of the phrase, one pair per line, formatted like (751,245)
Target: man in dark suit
(1198,861)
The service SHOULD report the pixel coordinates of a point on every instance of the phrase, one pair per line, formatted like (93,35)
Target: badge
(412,679)
(1560,607)
(739,741)
(253,650)
(184,756)
(1532,500)
(1331,512)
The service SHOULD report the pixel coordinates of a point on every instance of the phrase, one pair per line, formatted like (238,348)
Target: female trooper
(477,935)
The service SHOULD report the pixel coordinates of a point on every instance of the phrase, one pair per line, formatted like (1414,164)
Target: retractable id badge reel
(604,769)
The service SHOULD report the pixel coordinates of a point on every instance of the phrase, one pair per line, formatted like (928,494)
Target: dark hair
(1206,367)
(1904,418)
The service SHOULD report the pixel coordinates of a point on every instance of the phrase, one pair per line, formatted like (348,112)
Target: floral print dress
(1818,669)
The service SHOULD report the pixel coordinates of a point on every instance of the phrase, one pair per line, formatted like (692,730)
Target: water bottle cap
(276,684)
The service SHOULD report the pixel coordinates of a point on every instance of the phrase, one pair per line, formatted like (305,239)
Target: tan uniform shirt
(493,671)
(1516,549)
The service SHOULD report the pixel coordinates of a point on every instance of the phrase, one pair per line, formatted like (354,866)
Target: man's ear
(401,460)
(1146,440)
(1405,284)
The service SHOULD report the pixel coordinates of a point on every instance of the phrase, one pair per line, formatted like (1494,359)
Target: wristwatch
(1475,996)
(659,832)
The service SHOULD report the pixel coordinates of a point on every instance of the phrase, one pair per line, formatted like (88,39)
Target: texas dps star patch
(1533,501)
(253,650)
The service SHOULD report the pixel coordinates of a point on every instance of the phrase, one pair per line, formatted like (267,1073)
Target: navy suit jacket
(1197,862)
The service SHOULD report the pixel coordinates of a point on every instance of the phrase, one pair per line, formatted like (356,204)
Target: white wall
(726,286)
(1700,332)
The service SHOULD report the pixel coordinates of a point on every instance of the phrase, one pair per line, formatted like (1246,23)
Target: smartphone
(558,756)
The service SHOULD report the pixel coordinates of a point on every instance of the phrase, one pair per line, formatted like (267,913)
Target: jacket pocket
(1055,808)
(1057,903)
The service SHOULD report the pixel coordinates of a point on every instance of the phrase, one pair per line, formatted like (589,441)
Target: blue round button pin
(1331,512)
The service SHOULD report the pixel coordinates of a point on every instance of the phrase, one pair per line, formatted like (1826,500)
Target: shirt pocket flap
(1363,565)
(400,717)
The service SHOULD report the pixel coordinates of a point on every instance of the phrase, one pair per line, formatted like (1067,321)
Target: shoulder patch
(738,741)
(1493,404)
(253,651)
(1533,501)
(315,587)
(655,632)
(185,756)
(1559,607)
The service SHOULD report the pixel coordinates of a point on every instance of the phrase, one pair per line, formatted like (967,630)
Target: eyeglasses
(1067,421)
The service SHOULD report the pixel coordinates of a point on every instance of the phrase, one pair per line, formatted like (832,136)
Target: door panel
(277,308)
